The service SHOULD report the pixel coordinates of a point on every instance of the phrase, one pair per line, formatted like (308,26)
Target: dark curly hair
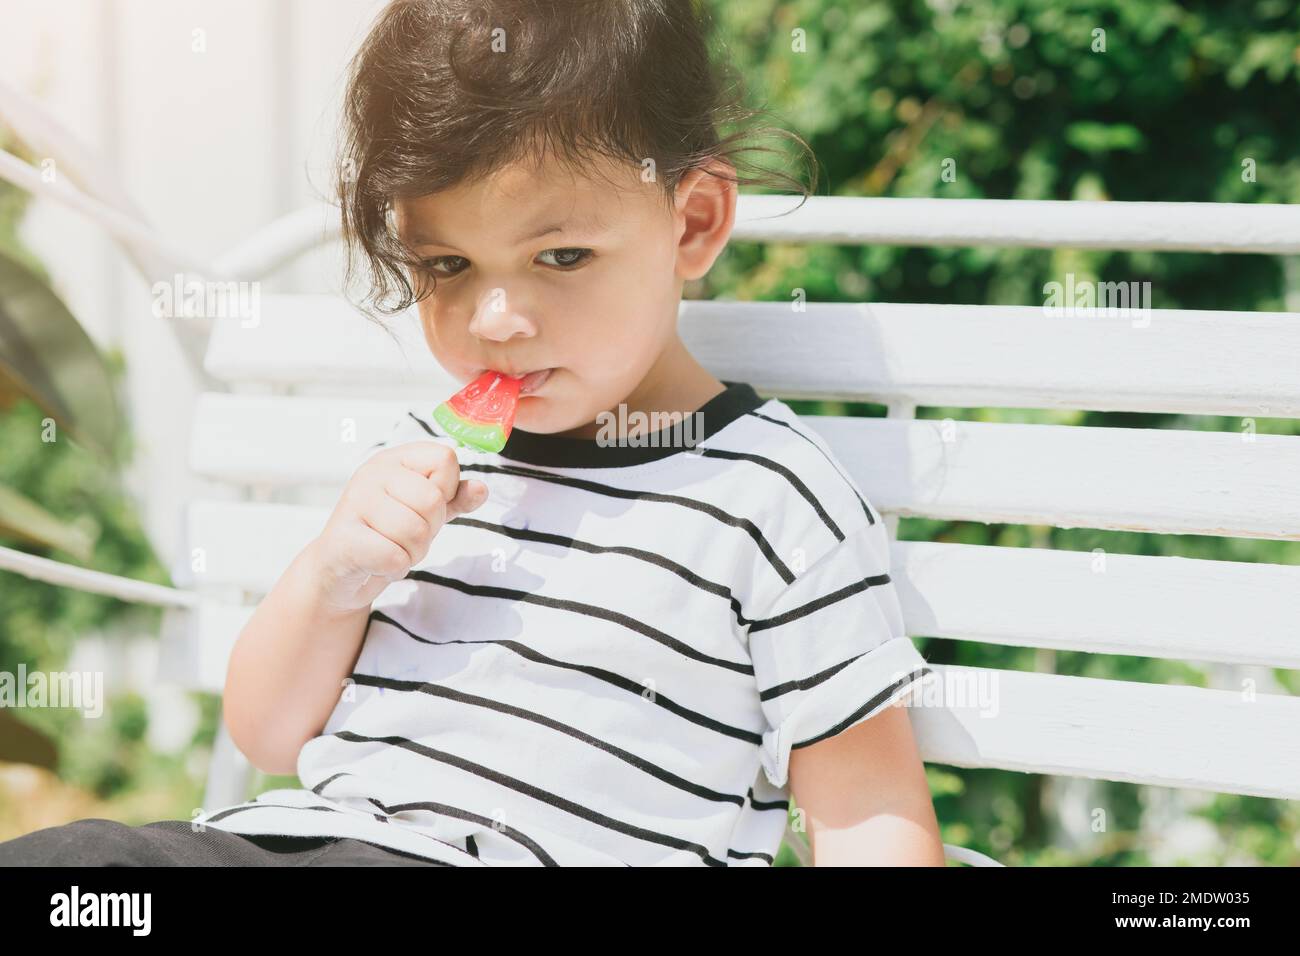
(442,90)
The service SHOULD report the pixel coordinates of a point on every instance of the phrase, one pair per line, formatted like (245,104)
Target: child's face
(594,299)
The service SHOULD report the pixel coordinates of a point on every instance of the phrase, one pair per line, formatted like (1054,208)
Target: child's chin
(541,415)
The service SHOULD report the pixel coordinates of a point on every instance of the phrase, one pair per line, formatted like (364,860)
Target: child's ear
(704,216)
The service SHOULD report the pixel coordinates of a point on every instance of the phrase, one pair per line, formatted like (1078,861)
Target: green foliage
(40,623)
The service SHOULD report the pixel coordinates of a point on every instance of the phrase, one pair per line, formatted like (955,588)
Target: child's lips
(533,381)
(528,383)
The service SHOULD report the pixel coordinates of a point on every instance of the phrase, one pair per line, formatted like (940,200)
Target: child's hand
(386,519)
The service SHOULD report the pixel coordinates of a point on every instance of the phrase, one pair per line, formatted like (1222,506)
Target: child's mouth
(530,382)
(534,380)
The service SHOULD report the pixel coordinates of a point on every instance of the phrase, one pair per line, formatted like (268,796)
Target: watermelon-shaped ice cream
(482,413)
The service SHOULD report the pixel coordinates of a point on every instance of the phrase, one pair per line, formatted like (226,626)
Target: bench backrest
(313,384)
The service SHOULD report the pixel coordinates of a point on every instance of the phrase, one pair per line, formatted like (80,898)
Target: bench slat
(1160,735)
(247,545)
(1231,363)
(1165,607)
(1135,479)
(320,340)
(1026,597)
(1037,223)
(195,648)
(1112,478)
(1033,223)
(1238,363)
(250,439)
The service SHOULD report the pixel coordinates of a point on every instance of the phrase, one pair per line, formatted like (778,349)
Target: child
(616,641)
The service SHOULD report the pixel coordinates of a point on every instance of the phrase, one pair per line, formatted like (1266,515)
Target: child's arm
(865,797)
(287,668)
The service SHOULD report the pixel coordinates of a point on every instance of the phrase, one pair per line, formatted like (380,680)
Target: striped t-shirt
(610,660)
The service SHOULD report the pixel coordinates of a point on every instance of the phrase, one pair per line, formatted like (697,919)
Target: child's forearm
(885,839)
(287,668)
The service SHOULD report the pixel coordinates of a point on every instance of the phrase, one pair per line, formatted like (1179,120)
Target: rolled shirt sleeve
(831,651)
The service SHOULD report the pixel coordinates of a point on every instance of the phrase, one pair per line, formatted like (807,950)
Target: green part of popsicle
(489,437)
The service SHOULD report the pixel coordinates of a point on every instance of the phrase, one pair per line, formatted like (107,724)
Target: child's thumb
(469,495)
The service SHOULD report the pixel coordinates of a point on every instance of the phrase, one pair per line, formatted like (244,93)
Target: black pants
(98,842)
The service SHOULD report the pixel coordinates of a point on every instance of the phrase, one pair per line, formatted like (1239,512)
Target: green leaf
(47,355)
(1097,138)
(23,518)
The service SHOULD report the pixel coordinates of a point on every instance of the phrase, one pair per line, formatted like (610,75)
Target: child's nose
(497,317)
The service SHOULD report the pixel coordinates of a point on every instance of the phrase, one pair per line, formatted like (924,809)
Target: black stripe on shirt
(459,813)
(328,780)
(537,793)
(874,580)
(440,690)
(750,529)
(750,855)
(786,473)
(805,683)
(595,487)
(651,557)
(255,804)
(767,804)
(618,680)
(579,607)
(869,705)
(776,421)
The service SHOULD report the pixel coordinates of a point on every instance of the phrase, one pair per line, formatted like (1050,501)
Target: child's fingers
(377,553)
(421,494)
(469,496)
(433,460)
(411,531)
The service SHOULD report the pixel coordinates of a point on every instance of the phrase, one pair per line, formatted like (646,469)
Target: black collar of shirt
(717,413)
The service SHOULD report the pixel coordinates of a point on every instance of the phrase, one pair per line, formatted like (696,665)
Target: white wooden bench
(274,448)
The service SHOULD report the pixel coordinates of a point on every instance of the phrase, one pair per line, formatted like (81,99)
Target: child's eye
(568,257)
(432,264)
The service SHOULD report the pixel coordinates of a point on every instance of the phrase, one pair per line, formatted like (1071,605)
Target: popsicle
(482,413)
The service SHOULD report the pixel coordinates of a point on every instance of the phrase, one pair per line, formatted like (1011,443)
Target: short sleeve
(831,651)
